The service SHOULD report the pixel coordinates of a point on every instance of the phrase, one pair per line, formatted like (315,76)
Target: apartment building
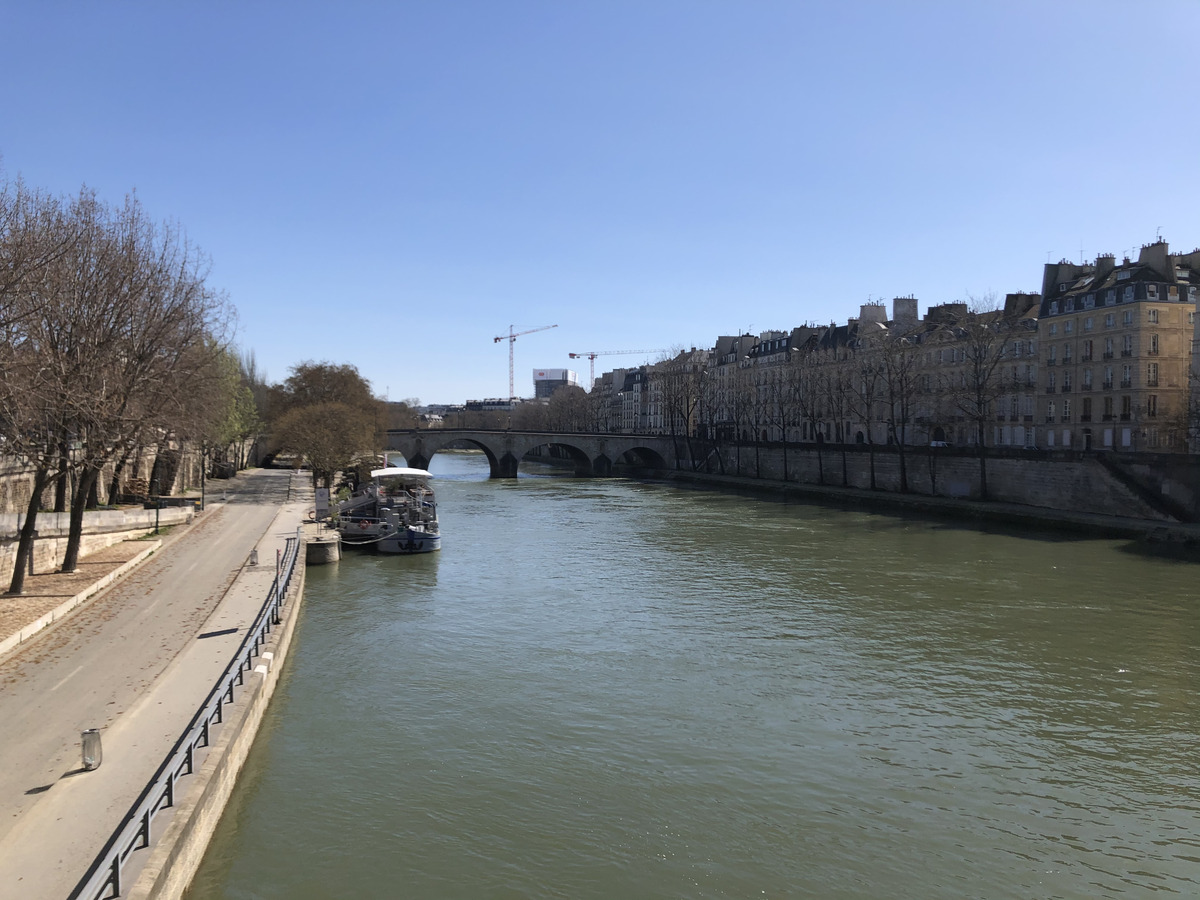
(1115,351)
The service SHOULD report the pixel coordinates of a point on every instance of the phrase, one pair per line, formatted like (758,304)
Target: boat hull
(377,536)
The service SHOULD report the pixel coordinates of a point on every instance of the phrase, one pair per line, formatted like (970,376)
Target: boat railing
(103,878)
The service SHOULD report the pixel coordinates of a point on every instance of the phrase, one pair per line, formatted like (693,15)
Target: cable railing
(103,879)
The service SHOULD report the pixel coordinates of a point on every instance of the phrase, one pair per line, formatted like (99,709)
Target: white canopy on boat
(399,472)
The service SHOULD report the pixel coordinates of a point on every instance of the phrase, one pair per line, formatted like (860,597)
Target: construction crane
(511,337)
(592,354)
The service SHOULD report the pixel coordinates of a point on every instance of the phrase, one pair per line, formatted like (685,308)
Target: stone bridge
(593,454)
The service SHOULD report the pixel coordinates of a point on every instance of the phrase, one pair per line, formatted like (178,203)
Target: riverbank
(973,511)
(53,830)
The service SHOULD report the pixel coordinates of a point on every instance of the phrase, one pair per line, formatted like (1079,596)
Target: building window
(1126,407)
(1126,376)
(1050,382)
(1066,381)
(1109,320)
(1127,319)
(1152,374)
(1087,379)
(1087,351)
(1066,411)
(1085,410)
(1108,408)
(1087,324)
(1152,404)
(1127,345)
(1053,357)
(1066,354)
(1108,348)
(1153,349)
(1053,328)
(1069,326)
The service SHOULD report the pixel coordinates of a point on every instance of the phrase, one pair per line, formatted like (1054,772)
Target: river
(608,689)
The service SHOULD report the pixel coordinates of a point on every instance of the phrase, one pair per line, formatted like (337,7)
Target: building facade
(1116,351)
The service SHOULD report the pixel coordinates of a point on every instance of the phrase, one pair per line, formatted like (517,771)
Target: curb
(75,602)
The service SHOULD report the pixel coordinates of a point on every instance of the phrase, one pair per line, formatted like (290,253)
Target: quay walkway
(135,661)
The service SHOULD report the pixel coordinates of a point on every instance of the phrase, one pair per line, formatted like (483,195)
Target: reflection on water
(609,689)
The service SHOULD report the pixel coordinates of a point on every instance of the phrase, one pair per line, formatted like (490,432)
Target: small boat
(394,513)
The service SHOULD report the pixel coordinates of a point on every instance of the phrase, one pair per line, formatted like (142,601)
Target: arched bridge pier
(593,454)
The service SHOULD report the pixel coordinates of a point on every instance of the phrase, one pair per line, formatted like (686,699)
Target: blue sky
(395,184)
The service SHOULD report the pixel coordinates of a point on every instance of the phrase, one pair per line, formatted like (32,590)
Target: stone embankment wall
(1076,483)
(101,529)
(177,472)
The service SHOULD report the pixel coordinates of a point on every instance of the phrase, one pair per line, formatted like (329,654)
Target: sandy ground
(46,592)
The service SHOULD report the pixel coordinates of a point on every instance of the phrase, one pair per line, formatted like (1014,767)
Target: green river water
(608,689)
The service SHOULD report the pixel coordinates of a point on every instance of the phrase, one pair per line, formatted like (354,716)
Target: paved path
(136,662)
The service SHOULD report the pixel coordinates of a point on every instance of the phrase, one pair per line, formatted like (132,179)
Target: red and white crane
(511,337)
(592,354)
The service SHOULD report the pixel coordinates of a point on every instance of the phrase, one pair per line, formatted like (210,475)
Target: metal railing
(103,878)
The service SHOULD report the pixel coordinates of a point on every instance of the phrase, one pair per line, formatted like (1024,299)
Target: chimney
(904,312)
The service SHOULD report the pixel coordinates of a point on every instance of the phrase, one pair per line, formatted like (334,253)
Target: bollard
(254,557)
(93,753)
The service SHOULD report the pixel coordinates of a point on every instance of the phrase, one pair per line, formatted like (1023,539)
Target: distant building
(492,404)
(1115,346)
(547,381)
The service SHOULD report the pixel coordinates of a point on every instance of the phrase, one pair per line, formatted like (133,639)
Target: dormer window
(1089,301)
(1070,304)
(1054,307)
(1110,297)
(1121,276)
(1151,291)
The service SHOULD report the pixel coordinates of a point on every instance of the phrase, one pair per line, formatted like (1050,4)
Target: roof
(400,472)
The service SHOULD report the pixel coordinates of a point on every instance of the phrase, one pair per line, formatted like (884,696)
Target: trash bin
(93,753)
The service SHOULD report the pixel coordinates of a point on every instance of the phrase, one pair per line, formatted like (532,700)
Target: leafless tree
(898,355)
(100,349)
(866,388)
(683,378)
(980,337)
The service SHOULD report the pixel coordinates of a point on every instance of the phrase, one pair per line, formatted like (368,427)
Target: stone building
(1116,344)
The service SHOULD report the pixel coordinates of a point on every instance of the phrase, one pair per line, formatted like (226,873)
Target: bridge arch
(591,454)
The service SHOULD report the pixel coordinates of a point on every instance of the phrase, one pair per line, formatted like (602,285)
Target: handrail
(133,833)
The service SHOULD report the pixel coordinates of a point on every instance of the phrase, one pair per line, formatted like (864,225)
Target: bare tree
(980,339)
(682,379)
(866,388)
(809,391)
(898,356)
